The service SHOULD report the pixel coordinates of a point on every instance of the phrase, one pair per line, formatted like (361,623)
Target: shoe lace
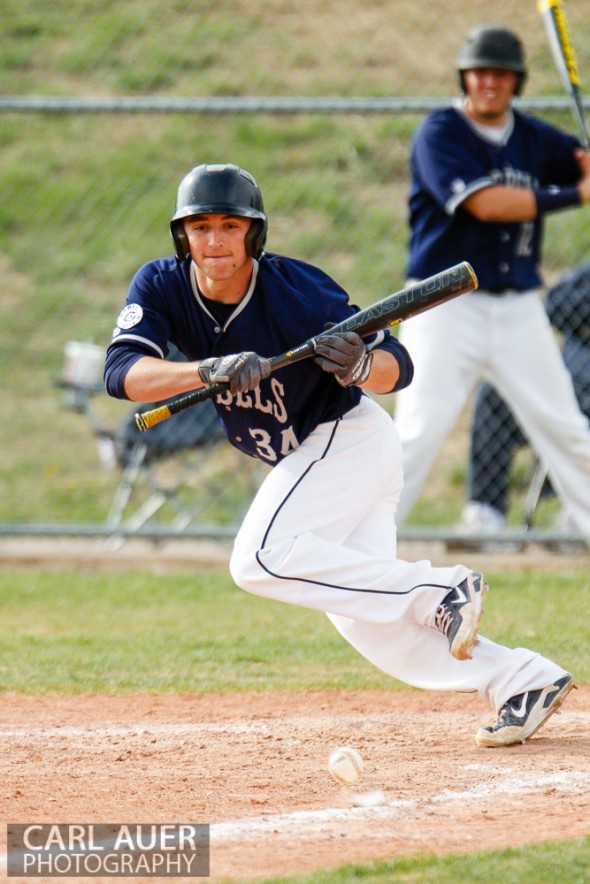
(443,619)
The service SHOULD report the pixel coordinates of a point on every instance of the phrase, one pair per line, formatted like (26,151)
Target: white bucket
(83,364)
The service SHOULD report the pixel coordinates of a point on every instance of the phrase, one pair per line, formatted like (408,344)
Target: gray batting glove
(242,371)
(345,356)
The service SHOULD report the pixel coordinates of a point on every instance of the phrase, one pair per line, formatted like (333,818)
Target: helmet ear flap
(180,239)
(255,238)
(522,77)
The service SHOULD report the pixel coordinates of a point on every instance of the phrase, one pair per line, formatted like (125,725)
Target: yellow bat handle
(150,418)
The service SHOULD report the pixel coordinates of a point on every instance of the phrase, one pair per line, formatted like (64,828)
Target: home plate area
(254,767)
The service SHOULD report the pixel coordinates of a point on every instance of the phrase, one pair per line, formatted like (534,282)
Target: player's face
(217,246)
(489,93)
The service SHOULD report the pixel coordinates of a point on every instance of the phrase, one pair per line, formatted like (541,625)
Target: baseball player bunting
(321,530)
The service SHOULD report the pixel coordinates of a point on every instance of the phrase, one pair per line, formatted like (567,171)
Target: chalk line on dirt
(325,822)
(307,821)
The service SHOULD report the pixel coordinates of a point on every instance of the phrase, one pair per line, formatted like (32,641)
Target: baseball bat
(390,311)
(556,25)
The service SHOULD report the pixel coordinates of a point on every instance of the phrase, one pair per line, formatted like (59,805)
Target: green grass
(566,862)
(74,631)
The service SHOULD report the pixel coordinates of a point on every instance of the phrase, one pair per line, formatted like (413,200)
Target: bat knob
(141,424)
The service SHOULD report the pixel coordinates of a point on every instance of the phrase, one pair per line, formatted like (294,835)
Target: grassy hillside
(87,198)
(247,47)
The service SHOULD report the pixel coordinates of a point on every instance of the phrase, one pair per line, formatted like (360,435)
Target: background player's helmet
(220,189)
(494,47)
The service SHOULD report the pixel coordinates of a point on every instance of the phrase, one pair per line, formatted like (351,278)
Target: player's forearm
(499,203)
(515,204)
(150,379)
(384,373)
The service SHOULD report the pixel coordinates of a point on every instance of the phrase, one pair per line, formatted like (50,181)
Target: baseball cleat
(522,716)
(459,613)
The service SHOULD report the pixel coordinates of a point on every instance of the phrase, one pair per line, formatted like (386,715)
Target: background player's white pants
(321,534)
(509,341)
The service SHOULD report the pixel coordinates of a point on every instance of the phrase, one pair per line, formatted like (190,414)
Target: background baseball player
(321,531)
(483,177)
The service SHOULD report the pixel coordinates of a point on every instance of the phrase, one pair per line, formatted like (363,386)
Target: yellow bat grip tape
(150,418)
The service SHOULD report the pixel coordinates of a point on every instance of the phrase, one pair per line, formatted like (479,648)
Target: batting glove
(242,371)
(345,356)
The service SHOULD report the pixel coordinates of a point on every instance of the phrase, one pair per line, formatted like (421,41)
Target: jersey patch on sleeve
(130,315)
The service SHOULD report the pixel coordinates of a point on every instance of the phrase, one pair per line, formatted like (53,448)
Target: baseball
(346,765)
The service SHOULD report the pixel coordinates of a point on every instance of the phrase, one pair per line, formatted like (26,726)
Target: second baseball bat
(554,18)
(390,311)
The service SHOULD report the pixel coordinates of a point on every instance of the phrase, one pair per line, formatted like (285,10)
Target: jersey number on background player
(525,238)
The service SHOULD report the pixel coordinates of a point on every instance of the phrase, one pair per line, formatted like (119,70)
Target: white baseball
(346,765)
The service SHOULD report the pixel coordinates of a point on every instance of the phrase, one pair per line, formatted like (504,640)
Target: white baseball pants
(509,341)
(321,534)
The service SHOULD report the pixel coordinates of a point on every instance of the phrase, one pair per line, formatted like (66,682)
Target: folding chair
(184,464)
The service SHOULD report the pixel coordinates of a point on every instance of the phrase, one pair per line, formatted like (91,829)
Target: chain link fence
(103,108)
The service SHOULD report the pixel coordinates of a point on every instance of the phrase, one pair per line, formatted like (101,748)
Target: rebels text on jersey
(288,302)
(450,160)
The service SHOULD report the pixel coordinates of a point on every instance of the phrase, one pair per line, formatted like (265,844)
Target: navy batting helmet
(219,189)
(489,46)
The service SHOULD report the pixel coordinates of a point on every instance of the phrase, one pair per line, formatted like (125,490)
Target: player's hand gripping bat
(390,311)
(553,14)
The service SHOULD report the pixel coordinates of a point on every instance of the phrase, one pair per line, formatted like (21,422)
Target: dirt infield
(254,766)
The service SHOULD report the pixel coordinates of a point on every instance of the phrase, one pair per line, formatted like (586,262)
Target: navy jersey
(450,160)
(288,302)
